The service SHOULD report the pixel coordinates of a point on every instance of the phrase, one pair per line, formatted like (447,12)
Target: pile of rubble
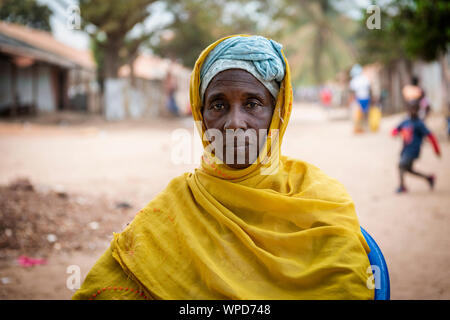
(35,221)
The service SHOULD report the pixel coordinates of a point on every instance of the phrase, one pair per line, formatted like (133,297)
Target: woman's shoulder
(314,181)
(175,187)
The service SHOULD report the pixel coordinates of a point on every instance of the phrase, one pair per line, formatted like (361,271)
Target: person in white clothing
(360,86)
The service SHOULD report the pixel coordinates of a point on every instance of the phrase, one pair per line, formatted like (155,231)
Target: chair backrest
(379,269)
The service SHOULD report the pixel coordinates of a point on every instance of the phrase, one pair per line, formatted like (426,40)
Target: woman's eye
(252,105)
(217,106)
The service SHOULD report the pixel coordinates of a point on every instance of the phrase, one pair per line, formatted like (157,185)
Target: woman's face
(233,100)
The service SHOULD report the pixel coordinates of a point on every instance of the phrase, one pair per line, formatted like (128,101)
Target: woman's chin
(238,166)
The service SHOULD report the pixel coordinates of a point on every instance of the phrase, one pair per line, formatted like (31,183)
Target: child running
(413,130)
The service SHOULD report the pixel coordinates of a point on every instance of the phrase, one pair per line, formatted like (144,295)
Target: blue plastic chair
(381,274)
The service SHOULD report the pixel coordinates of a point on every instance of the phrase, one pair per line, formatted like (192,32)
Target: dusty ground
(86,168)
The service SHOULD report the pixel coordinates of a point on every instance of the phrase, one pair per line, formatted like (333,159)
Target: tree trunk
(131,66)
(445,82)
(112,62)
(318,50)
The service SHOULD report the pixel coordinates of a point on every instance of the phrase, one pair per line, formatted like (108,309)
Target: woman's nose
(235,119)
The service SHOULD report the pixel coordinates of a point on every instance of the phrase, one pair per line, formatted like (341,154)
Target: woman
(266,227)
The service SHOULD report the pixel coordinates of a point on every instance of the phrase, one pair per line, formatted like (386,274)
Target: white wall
(24,86)
(122,100)
(114,99)
(45,93)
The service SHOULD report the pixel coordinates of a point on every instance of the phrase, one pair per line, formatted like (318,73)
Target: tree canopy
(110,24)
(26,12)
(410,29)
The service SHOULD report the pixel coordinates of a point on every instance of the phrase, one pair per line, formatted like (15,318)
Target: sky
(58,21)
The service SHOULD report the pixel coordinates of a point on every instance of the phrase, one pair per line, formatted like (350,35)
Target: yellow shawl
(290,232)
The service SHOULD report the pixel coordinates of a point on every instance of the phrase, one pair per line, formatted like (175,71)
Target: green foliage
(410,29)
(26,12)
(386,44)
(114,17)
(427,26)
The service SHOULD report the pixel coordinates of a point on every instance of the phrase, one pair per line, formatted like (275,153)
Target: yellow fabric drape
(221,233)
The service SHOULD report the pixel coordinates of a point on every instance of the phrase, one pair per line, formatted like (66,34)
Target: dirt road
(132,161)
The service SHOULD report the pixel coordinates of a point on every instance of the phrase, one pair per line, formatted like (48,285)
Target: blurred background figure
(412,93)
(325,97)
(360,86)
(170,89)
(413,131)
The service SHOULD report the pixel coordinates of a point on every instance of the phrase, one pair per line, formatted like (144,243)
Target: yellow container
(374,118)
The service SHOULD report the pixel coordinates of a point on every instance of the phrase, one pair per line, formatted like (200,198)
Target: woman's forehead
(234,75)
(233,78)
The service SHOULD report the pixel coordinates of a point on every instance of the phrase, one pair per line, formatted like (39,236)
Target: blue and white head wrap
(255,54)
